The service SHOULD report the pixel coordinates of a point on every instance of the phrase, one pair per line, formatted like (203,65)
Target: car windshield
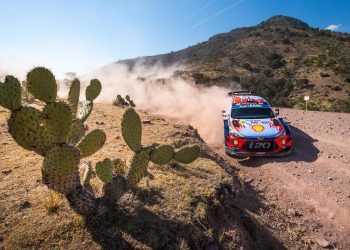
(252,113)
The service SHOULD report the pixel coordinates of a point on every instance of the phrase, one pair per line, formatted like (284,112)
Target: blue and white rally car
(251,128)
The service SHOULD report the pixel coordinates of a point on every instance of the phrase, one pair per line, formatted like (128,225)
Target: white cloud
(333,27)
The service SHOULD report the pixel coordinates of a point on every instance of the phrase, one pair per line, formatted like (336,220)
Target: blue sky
(82,35)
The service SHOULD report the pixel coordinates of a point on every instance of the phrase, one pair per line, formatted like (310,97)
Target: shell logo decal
(258,128)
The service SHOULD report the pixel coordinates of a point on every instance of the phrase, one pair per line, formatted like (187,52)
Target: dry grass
(53,202)
(168,201)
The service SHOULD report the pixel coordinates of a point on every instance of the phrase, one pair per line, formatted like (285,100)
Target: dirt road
(310,188)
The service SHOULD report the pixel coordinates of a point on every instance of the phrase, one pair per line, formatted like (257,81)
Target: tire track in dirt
(314,181)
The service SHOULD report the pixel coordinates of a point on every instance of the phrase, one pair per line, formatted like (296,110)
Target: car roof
(246,101)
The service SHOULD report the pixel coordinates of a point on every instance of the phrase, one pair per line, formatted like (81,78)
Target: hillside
(281,58)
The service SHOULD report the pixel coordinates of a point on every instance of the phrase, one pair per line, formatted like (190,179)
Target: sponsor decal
(258,128)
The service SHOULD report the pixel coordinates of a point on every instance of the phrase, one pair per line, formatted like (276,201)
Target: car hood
(257,128)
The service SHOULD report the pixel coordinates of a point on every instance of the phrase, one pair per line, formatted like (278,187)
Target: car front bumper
(241,153)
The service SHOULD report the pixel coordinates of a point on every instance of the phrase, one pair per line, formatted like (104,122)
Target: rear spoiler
(241,92)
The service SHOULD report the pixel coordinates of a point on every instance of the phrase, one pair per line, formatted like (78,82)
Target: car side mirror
(277,111)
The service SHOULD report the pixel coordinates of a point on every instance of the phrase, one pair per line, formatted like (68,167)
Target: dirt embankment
(176,207)
(311,187)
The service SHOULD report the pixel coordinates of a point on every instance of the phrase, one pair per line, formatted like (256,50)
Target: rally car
(251,128)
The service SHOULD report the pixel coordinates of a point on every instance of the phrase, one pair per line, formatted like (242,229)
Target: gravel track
(312,186)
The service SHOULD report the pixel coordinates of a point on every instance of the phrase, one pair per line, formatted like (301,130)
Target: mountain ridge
(281,58)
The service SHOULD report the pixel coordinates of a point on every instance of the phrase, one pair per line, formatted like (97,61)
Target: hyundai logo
(260,138)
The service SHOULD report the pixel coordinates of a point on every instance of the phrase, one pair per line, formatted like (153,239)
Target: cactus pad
(138,167)
(131,129)
(92,142)
(119,166)
(104,170)
(42,84)
(187,155)
(73,96)
(132,104)
(84,110)
(76,133)
(60,164)
(58,120)
(93,90)
(10,93)
(163,154)
(25,126)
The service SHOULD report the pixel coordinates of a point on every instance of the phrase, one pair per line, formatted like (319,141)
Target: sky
(83,35)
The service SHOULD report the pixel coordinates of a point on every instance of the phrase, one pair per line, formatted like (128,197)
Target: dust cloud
(158,91)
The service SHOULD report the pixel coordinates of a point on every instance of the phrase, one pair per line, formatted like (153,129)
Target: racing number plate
(260,146)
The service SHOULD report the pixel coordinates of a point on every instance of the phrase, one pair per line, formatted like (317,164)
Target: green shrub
(276,61)
(247,66)
(267,72)
(286,40)
(337,88)
(341,106)
(300,83)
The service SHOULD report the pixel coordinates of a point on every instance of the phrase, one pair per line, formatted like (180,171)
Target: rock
(6,171)
(146,121)
(24,204)
(323,243)
(330,178)
(311,171)
(293,212)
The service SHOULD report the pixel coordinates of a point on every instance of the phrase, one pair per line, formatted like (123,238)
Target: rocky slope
(312,186)
(282,58)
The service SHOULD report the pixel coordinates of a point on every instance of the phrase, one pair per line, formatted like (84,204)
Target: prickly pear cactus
(104,170)
(91,143)
(60,166)
(162,154)
(25,128)
(158,154)
(76,132)
(73,96)
(138,167)
(187,155)
(132,104)
(58,120)
(119,166)
(10,93)
(93,90)
(132,129)
(42,84)
(55,131)
(84,110)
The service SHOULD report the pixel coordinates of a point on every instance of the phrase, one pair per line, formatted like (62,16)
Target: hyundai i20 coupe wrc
(251,128)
